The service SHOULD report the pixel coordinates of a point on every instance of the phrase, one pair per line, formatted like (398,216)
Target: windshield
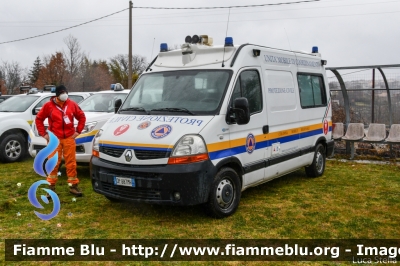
(18,104)
(101,102)
(196,92)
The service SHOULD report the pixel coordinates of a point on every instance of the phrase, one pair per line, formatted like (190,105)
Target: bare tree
(12,74)
(73,56)
(139,63)
(119,68)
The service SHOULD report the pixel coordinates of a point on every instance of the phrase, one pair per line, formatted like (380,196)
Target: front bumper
(83,149)
(155,184)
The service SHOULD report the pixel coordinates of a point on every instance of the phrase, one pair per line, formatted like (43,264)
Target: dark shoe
(73,189)
(53,188)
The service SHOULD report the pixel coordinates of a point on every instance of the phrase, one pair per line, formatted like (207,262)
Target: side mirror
(117,105)
(35,111)
(241,111)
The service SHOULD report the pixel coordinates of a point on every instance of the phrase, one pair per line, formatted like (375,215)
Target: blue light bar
(163,47)
(315,49)
(112,87)
(53,89)
(228,41)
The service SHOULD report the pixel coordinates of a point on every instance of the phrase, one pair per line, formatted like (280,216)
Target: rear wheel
(225,194)
(317,167)
(12,148)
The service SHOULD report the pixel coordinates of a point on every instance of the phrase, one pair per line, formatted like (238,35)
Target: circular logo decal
(250,143)
(121,130)
(144,125)
(161,131)
(325,126)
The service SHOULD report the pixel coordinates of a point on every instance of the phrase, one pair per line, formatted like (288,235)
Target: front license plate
(124,181)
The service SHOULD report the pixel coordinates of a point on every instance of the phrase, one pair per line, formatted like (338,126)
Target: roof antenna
(151,57)
(290,47)
(152,49)
(226,34)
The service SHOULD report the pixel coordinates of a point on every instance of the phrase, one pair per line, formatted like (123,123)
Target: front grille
(148,155)
(131,193)
(132,165)
(140,154)
(79,148)
(38,147)
(114,152)
(105,172)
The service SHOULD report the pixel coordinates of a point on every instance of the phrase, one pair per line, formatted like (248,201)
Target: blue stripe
(136,147)
(263,144)
(84,139)
(311,133)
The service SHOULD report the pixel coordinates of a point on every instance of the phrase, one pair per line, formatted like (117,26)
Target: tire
(13,148)
(225,194)
(317,167)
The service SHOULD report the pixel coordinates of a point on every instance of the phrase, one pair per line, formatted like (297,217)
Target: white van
(204,123)
(16,117)
(98,109)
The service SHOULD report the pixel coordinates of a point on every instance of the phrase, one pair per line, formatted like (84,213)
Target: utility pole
(130,47)
(373,97)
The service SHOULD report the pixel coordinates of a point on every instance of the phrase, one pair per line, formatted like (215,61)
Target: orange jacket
(55,114)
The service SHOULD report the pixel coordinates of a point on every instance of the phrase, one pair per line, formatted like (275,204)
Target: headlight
(35,130)
(96,140)
(189,149)
(89,127)
(189,145)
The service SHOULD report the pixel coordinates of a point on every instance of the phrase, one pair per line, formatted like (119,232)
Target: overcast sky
(347,32)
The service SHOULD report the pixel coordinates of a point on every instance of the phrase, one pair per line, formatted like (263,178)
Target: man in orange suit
(60,112)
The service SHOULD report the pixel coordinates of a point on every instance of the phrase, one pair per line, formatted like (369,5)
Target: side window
(312,91)
(76,98)
(42,102)
(248,85)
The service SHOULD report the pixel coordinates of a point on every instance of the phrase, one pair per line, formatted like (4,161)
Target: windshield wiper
(174,110)
(135,109)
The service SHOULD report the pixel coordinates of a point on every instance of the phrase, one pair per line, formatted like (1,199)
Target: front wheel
(225,194)
(12,148)
(317,167)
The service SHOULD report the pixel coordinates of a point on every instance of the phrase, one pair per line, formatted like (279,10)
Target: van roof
(203,55)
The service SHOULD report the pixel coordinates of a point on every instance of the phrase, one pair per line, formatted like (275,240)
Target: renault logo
(128,156)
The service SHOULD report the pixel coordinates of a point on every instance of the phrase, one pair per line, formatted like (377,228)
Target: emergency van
(203,123)
(16,116)
(98,109)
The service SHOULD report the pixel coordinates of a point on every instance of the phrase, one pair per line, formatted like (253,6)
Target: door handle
(265,129)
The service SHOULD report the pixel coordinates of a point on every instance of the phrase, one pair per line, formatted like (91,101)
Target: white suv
(98,109)
(16,116)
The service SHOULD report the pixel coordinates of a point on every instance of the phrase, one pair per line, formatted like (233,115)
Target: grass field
(356,201)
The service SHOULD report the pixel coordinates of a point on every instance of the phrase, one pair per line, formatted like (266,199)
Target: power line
(191,14)
(286,3)
(65,28)
(220,7)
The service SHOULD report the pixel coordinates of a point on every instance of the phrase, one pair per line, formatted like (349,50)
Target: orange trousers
(66,148)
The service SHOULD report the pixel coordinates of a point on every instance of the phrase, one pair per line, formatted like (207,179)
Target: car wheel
(225,194)
(12,148)
(317,167)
